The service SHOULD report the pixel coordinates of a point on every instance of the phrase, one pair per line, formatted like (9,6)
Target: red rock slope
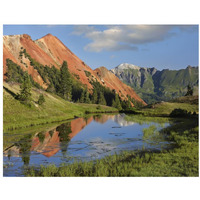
(49,50)
(113,82)
(59,52)
(11,48)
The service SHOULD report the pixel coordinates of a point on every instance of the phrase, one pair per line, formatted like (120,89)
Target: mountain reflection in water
(50,142)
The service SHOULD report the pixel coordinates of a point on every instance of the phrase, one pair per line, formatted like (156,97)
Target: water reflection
(50,142)
(104,134)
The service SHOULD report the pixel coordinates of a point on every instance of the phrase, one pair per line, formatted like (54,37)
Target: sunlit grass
(18,115)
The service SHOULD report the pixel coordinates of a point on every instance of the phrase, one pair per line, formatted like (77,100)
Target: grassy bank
(18,115)
(163,109)
(181,160)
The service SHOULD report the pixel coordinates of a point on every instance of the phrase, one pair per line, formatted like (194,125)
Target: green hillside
(173,83)
(16,114)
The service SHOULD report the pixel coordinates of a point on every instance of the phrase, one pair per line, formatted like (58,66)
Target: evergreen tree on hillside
(82,98)
(189,90)
(116,102)
(101,99)
(51,88)
(126,104)
(25,92)
(87,98)
(113,103)
(65,82)
(94,96)
(41,99)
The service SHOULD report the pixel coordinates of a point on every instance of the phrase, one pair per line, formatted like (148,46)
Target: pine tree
(25,92)
(51,88)
(189,91)
(113,103)
(94,96)
(41,99)
(117,102)
(128,104)
(65,82)
(101,99)
(82,98)
(87,98)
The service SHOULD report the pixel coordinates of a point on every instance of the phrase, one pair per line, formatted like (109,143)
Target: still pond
(92,137)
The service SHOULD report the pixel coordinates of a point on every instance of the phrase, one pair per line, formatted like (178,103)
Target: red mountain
(49,50)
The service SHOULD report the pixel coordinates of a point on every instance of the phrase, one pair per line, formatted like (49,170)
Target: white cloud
(126,37)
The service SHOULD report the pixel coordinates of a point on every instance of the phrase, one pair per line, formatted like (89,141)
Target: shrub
(87,73)
(98,107)
(41,99)
(179,113)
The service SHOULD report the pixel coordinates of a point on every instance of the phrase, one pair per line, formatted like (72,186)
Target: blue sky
(160,46)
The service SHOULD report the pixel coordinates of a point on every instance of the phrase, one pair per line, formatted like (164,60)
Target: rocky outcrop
(113,82)
(136,77)
(58,52)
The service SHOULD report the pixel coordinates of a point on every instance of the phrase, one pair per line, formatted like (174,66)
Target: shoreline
(10,128)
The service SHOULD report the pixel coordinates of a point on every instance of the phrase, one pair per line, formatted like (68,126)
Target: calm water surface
(80,139)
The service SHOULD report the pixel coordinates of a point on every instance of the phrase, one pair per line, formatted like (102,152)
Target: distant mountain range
(155,85)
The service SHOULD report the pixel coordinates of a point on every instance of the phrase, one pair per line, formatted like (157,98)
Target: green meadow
(17,115)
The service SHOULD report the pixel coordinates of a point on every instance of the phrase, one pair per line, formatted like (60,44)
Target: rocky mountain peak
(127,66)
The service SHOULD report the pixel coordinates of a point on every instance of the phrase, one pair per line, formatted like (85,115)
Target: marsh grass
(150,133)
(181,160)
(141,119)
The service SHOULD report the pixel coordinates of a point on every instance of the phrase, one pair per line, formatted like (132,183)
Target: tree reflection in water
(64,131)
(24,146)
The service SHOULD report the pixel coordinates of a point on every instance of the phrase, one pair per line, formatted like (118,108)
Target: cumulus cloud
(126,37)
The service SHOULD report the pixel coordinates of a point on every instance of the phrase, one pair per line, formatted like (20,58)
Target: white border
(98,12)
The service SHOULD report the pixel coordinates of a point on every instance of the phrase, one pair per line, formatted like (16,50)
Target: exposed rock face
(136,77)
(126,66)
(11,48)
(110,80)
(58,52)
(50,51)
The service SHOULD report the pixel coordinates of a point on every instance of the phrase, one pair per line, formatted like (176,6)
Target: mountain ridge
(50,51)
(158,85)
